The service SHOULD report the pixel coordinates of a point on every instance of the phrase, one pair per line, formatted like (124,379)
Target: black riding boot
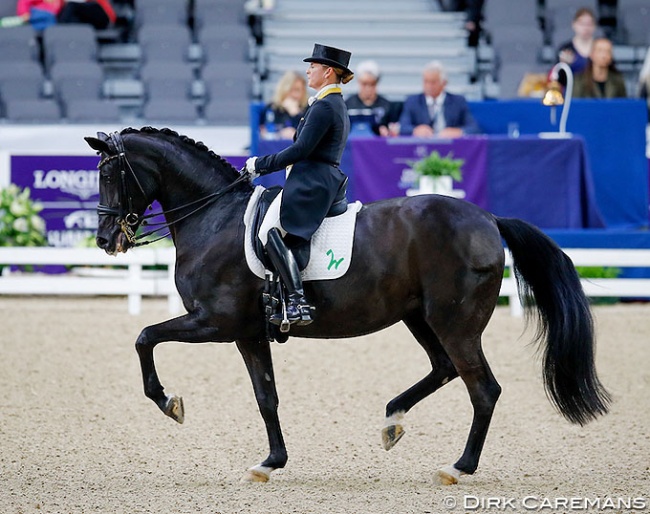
(298,310)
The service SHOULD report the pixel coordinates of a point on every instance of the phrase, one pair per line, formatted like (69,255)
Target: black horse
(433,262)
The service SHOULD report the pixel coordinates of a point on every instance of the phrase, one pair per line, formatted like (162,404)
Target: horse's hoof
(257,474)
(448,475)
(175,409)
(390,435)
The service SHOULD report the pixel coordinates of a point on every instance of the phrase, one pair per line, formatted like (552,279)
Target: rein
(127,219)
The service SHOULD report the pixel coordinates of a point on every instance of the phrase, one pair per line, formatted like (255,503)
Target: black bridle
(125,215)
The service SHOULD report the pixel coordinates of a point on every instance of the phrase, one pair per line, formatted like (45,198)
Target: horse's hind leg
(442,372)
(257,356)
(468,358)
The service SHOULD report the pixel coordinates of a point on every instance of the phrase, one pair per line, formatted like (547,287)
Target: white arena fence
(594,287)
(93,272)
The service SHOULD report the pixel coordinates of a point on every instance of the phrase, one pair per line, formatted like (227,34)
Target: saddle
(273,296)
(326,256)
(300,247)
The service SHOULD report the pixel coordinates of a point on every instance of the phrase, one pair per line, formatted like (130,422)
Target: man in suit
(313,174)
(436,112)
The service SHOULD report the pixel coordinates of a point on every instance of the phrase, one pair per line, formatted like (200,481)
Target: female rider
(313,173)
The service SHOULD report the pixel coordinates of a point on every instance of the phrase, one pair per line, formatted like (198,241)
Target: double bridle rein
(128,219)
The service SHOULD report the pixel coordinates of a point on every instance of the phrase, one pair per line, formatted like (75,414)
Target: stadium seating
(226,64)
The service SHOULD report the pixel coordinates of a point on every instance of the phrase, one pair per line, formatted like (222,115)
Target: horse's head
(138,166)
(122,199)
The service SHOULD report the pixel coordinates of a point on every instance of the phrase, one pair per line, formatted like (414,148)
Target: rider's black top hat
(331,57)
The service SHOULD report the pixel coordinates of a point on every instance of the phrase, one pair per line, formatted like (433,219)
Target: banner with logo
(383,167)
(68,189)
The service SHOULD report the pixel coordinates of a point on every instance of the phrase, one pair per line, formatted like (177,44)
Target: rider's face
(317,75)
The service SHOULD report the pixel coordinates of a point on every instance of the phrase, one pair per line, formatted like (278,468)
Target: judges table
(544,181)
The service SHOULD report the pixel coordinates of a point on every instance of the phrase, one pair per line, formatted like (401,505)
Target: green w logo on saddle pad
(331,244)
(333,262)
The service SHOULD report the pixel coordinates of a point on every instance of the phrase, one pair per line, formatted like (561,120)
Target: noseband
(125,214)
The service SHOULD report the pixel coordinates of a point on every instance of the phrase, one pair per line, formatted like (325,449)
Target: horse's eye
(105,176)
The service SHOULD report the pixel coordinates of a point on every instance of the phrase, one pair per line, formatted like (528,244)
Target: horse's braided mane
(197,144)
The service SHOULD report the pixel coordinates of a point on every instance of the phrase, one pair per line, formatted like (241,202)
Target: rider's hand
(250,167)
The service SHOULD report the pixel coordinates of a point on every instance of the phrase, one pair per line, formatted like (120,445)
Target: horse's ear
(97,144)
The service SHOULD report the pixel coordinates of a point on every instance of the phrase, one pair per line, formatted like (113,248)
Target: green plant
(600,272)
(434,165)
(20,224)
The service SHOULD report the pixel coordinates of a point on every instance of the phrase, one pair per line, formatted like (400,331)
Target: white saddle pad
(331,244)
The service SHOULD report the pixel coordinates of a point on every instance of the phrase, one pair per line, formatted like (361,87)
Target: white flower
(19,208)
(21,225)
(37,223)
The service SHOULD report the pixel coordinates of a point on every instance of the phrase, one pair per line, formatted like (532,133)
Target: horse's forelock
(224,164)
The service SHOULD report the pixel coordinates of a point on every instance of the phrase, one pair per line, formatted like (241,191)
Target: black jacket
(315,154)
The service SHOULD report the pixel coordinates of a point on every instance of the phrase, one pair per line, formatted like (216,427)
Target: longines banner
(68,188)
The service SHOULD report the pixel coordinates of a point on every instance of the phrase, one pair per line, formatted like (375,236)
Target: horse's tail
(565,330)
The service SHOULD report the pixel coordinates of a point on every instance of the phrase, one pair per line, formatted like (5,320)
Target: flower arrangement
(436,166)
(20,224)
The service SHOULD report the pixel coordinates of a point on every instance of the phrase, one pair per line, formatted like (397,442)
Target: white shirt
(436,112)
(322,90)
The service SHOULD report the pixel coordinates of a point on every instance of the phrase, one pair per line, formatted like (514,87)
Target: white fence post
(135,298)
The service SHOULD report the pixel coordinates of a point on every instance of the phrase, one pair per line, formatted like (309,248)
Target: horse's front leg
(187,328)
(257,356)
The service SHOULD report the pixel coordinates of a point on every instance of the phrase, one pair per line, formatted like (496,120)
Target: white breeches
(271,220)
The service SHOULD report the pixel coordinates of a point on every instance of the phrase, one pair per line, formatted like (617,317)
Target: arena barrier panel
(92,272)
(594,287)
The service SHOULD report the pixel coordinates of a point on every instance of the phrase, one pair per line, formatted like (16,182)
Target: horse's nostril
(101,242)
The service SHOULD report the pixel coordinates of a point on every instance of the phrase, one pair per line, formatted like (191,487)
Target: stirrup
(292,314)
(304,315)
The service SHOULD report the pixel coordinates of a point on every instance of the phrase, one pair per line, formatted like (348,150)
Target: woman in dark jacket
(313,173)
(600,79)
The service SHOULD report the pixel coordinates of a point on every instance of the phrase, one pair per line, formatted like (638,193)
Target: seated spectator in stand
(600,79)
(576,51)
(40,13)
(435,112)
(367,102)
(98,13)
(280,118)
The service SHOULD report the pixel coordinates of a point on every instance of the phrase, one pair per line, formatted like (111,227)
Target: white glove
(250,167)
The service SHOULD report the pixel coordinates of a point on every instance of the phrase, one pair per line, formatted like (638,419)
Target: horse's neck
(190,195)
(184,182)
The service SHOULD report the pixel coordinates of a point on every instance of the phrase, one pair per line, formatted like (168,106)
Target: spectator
(98,13)
(576,51)
(473,16)
(368,100)
(435,112)
(600,79)
(40,13)
(280,118)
